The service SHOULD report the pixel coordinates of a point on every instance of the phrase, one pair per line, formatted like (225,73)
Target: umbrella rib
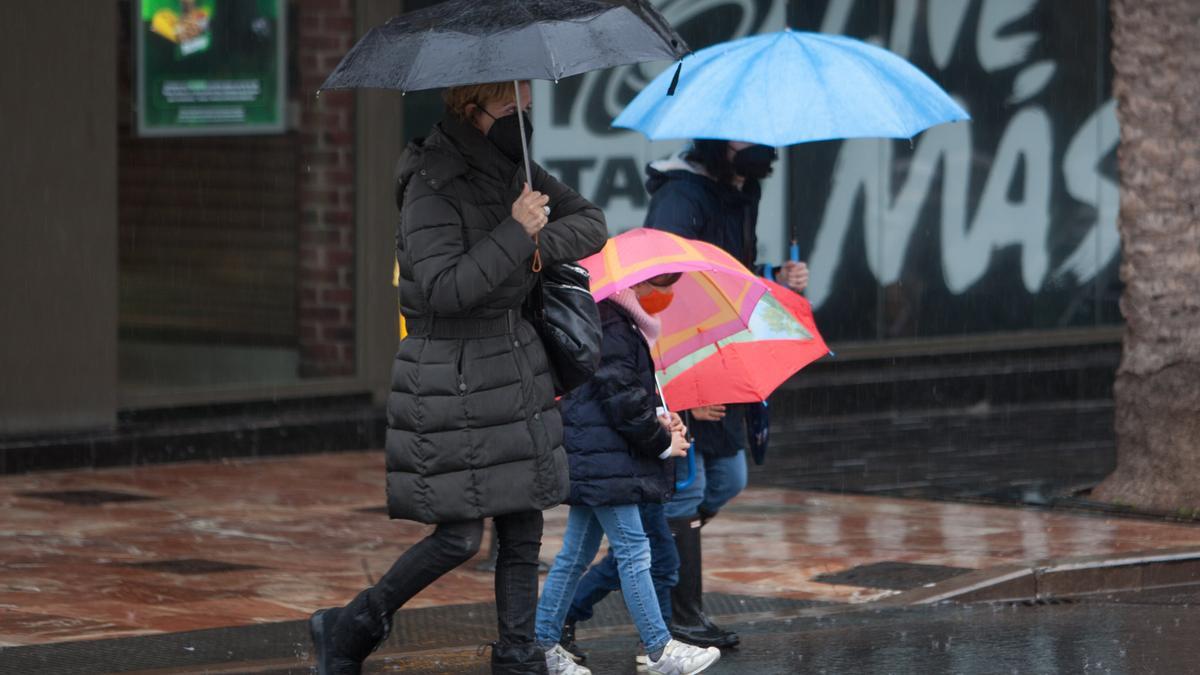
(817,72)
(417,61)
(555,69)
(883,85)
(542,32)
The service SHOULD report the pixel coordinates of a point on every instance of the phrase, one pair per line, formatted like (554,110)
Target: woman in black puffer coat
(473,428)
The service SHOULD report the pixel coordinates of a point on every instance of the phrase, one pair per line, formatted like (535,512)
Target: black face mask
(754,161)
(505,134)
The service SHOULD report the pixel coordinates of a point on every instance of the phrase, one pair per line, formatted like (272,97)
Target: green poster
(210,67)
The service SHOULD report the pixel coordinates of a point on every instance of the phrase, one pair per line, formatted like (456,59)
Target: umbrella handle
(521,123)
(691,474)
(793,255)
(537,252)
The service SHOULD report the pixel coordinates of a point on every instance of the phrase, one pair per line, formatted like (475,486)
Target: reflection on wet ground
(1032,454)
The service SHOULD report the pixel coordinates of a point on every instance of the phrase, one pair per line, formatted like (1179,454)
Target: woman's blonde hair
(458,98)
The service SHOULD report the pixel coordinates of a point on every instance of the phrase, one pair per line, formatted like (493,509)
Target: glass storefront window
(1006,223)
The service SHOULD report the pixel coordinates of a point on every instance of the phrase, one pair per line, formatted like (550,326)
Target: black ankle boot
(689,623)
(568,643)
(343,637)
(518,658)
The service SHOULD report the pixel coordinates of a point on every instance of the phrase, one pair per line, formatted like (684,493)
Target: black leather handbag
(562,309)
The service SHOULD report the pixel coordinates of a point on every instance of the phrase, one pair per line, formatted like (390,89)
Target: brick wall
(325,285)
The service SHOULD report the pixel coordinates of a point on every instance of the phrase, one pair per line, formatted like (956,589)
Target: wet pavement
(211,567)
(123,552)
(1141,633)
(1072,638)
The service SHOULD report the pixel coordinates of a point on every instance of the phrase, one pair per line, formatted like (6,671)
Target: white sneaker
(559,662)
(640,663)
(680,658)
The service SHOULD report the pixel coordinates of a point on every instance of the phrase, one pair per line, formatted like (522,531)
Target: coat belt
(455,327)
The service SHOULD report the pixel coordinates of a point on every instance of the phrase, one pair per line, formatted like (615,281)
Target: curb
(1060,578)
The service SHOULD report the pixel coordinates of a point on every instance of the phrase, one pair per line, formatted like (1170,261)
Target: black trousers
(519,542)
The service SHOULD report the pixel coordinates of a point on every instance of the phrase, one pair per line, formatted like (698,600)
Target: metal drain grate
(87,497)
(192,566)
(891,575)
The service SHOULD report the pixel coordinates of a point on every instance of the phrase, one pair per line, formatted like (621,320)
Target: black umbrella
(473,41)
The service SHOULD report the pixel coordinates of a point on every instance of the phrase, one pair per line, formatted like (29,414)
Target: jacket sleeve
(630,408)
(453,278)
(576,229)
(672,210)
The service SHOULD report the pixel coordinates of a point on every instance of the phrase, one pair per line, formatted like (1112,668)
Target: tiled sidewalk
(229,544)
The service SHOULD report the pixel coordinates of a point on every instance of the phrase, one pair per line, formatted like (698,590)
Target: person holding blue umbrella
(739,101)
(711,192)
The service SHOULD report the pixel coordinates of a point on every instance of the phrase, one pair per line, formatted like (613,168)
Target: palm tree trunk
(1156,54)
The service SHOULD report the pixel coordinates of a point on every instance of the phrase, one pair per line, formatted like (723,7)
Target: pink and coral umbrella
(713,300)
(729,336)
(747,366)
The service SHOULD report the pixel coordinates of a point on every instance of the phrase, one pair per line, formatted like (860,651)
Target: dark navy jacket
(610,429)
(695,206)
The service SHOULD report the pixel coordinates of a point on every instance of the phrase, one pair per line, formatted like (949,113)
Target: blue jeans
(718,480)
(585,527)
(604,577)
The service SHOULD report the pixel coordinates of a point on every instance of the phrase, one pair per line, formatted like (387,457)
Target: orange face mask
(656,301)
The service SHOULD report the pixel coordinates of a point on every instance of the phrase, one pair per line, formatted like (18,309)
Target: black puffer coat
(612,434)
(474,430)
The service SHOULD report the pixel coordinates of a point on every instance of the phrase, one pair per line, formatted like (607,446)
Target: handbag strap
(536,299)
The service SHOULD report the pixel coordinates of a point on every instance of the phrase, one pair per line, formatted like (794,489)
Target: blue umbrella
(791,87)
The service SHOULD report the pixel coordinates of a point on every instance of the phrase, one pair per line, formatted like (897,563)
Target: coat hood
(450,150)
(433,159)
(674,167)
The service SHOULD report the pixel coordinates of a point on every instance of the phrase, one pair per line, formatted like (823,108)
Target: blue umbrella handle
(691,475)
(793,255)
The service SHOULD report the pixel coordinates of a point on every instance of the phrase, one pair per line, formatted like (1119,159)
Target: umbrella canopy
(791,87)
(473,41)
(714,298)
(780,339)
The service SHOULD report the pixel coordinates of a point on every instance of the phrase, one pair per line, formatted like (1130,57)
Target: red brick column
(325,285)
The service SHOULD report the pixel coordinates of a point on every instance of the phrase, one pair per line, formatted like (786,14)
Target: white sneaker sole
(643,665)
